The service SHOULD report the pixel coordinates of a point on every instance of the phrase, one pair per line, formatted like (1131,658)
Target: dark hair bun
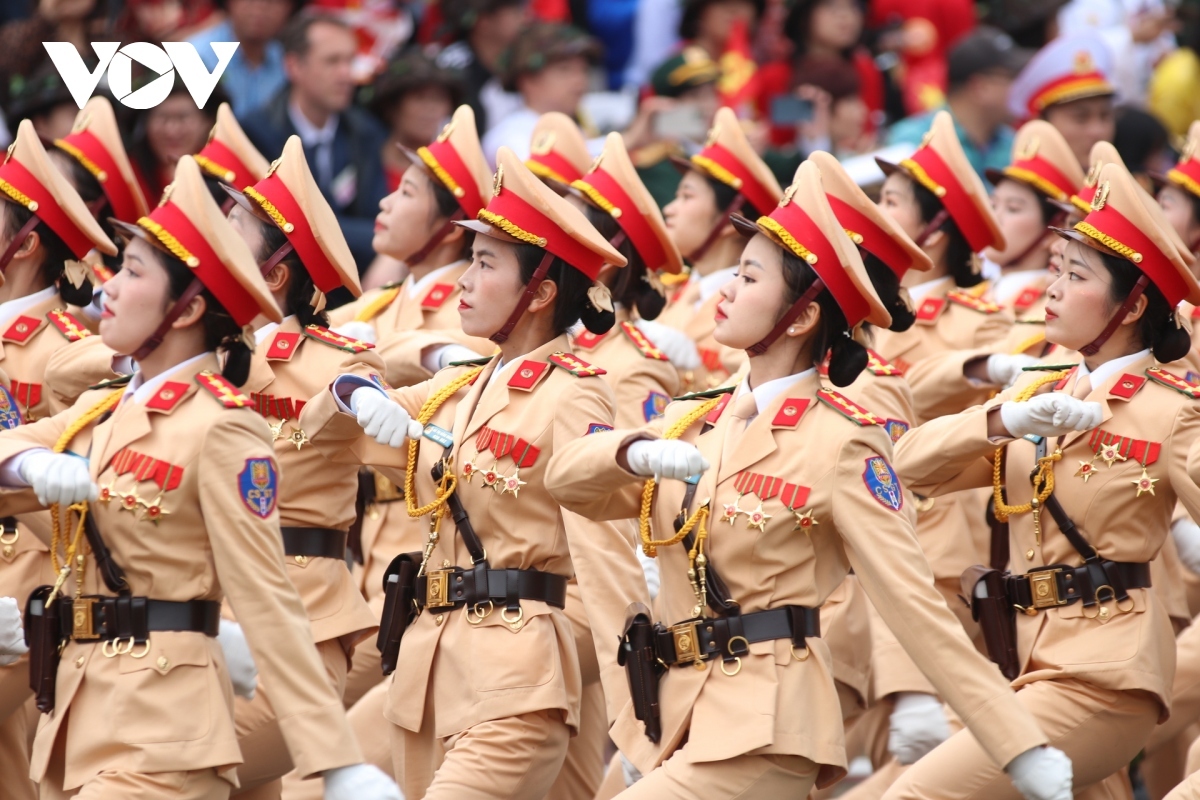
(1174,343)
(237,360)
(595,320)
(75,295)
(650,303)
(903,317)
(847,358)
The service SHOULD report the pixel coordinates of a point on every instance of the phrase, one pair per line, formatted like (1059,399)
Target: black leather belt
(133,618)
(443,589)
(698,640)
(1062,585)
(314,542)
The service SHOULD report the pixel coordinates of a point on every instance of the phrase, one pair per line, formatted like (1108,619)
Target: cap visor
(744,226)
(887,166)
(994,175)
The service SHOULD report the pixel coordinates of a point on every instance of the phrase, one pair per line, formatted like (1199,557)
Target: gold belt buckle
(686,638)
(437,589)
(81,618)
(1043,588)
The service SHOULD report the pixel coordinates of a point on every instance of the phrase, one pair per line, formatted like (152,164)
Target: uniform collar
(1109,368)
(141,390)
(766,394)
(416,287)
(711,283)
(923,290)
(12,309)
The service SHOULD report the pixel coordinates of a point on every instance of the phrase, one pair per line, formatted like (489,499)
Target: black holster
(996,617)
(398,607)
(636,655)
(43,635)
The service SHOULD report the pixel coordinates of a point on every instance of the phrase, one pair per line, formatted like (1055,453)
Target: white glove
(381,418)
(664,458)
(243,674)
(58,477)
(677,346)
(363,331)
(631,773)
(360,782)
(1049,415)
(1187,541)
(917,725)
(454,352)
(1042,773)
(650,570)
(12,633)
(1004,369)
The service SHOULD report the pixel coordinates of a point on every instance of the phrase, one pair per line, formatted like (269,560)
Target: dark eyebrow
(750,262)
(485,252)
(1078,262)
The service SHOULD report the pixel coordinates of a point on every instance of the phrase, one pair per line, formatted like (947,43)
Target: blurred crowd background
(355,77)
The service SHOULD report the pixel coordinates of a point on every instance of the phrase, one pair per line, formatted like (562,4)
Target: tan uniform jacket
(1151,423)
(718,362)
(217,536)
(491,670)
(288,369)
(835,473)
(642,379)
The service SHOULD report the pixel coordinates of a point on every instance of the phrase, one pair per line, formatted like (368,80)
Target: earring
(791,330)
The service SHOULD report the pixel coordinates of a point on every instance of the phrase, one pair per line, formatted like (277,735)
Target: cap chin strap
(438,235)
(932,228)
(226,205)
(15,244)
(1055,222)
(1094,347)
(539,275)
(715,233)
(791,316)
(189,294)
(283,252)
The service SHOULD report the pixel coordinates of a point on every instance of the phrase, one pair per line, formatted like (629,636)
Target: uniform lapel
(758,440)
(408,310)
(1103,394)
(262,374)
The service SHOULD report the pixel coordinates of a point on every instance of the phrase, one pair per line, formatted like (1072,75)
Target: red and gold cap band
(553,166)
(447,165)
(223,164)
(86,148)
(19,184)
(875,240)
(511,214)
(606,192)
(1113,230)
(927,168)
(1067,88)
(717,162)
(275,199)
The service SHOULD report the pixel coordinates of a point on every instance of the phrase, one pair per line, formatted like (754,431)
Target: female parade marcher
(295,238)
(487,690)
(182,484)
(1179,194)
(229,158)
(45,231)
(795,487)
(724,178)
(1108,444)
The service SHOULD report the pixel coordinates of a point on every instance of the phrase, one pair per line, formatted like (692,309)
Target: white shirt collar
(1011,284)
(309,133)
(922,290)
(143,389)
(711,283)
(417,287)
(765,394)
(262,333)
(1110,368)
(12,309)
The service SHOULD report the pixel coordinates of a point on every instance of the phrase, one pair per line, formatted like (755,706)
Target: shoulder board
(848,408)
(575,365)
(68,326)
(120,380)
(471,362)
(1172,381)
(878,365)
(707,394)
(227,394)
(646,347)
(326,336)
(973,303)
(1048,367)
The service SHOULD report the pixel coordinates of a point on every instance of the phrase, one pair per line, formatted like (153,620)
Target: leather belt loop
(139,620)
(512,590)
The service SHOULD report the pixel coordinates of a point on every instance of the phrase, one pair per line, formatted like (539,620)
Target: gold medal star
(1111,454)
(1145,483)
(757,518)
(1085,471)
(107,493)
(468,471)
(512,483)
(730,511)
(276,430)
(298,438)
(804,521)
(491,479)
(154,511)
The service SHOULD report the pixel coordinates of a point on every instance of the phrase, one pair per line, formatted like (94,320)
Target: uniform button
(302,560)
(79,662)
(445,562)
(162,662)
(1029,555)
(8,551)
(438,619)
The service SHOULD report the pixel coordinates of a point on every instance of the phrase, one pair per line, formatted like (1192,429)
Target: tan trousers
(742,778)
(265,753)
(201,784)
(1166,752)
(583,769)
(1101,730)
(365,672)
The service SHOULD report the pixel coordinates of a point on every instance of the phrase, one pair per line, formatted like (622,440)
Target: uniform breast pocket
(167,695)
(505,657)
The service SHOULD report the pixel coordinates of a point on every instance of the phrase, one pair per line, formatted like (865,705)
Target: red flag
(738,71)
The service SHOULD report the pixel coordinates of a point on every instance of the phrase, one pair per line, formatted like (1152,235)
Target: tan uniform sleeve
(884,553)
(339,438)
(401,352)
(75,367)
(892,668)
(585,478)
(938,383)
(248,554)
(950,453)
(41,434)
(633,391)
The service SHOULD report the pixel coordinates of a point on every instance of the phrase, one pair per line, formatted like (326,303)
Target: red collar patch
(588,340)
(930,309)
(168,396)
(437,295)
(21,329)
(1127,386)
(790,413)
(283,346)
(527,375)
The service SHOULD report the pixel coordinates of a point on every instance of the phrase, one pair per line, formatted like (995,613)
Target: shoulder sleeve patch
(227,394)
(10,413)
(654,405)
(597,427)
(973,303)
(646,347)
(258,484)
(575,365)
(326,336)
(68,326)
(1172,381)
(848,408)
(882,483)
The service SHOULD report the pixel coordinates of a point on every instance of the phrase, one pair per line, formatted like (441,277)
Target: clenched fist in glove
(1042,773)
(917,725)
(1004,369)
(1187,541)
(381,418)
(12,632)
(360,782)
(664,458)
(243,674)
(57,477)
(677,346)
(1051,414)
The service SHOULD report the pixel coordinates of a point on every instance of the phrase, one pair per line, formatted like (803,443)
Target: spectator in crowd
(341,141)
(413,98)
(981,70)
(549,66)
(708,23)
(1141,139)
(41,97)
(1174,91)
(382,27)
(255,73)
(165,20)
(1030,23)
(79,22)
(166,133)
(1068,84)
(655,38)
(920,34)
(483,31)
(840,121)
(1137,35)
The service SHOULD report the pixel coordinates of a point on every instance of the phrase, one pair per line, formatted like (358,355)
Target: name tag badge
(438,435)
(692,479)
(1034,438)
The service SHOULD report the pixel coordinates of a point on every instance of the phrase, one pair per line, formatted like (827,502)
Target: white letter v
(80,83)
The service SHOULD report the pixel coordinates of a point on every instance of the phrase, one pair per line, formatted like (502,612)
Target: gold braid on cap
(1084,206)
(269,209)
(919,175)
(857,238)
(542,171)
(511,229)
(87,163)
(214,169)
(596,198)
(173,245)
(1036,181)
(1175,176)
(1070,90)
(717,171)
(778,230)
(1109,242)
(17,195)
(439,171)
